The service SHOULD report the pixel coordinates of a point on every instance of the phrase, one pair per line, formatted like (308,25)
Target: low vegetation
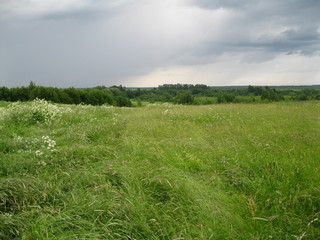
(229,171)
(186,94)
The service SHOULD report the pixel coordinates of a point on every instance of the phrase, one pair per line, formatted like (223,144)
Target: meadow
(163,171)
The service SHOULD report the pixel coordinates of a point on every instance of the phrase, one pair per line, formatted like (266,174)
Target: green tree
(98,97)
(271,95)
(121,101)
(31,86)
(47,93)
(184,97)
(302,97)
(74,95)
(226,98)
(19,94)
(4,94)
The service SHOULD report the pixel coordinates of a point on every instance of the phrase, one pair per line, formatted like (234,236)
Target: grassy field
(237,171)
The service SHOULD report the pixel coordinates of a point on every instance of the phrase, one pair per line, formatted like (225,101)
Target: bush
(204,100)
(302,97)
(271,95)
(184,97)
(227,97)
(39,111)
(123,102)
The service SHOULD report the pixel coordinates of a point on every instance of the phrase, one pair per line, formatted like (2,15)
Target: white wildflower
(38,153)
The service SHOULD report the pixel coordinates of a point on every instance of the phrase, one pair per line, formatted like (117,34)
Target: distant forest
(198,94)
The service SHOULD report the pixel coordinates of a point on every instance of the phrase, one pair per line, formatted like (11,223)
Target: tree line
(92,96)
(175,93)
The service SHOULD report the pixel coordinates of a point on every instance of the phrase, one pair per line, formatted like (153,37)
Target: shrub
(302,97)
(39,111)
(271,95)
(184,97)
(123,102)
(227,97)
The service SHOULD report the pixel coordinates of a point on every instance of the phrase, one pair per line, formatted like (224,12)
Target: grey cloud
(82,15)
(105,42)
(94,11)
(84,10)
(306,41)
(303,34)
(250,30)
(209,4)
(70,53)
(279,6)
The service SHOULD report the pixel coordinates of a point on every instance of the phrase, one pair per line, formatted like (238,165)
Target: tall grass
(239,171)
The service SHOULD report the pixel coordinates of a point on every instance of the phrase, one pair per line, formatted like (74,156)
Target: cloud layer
(85,43)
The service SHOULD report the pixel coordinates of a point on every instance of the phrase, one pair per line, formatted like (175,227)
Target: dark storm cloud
(300,21)
(91,11)
(76,48)
(87,43)
(81,15)
(302,41)
(69,55)
(288,7)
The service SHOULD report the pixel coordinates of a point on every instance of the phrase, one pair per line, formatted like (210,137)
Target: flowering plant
(38,111)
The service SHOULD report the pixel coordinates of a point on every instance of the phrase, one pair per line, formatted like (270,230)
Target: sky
(146,43)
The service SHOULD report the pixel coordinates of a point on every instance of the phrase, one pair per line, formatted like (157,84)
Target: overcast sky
(145,43)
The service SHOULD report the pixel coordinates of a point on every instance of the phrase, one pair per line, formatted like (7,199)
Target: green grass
(234,171)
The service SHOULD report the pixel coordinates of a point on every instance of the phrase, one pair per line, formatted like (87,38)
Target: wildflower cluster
(38,111)
(218,116)
(115,118)
(34,145)
(166,104)
(174,113)
(2,113)
(23,144)
(48,144)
